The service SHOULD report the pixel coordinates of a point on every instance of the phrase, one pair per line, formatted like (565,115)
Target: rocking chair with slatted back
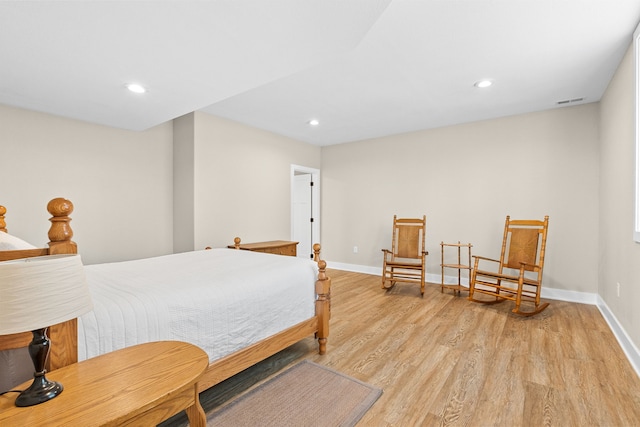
(517,275)
(406,261)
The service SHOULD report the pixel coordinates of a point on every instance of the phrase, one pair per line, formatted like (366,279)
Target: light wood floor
(444,361)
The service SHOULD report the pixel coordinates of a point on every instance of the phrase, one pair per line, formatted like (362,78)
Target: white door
(305,209)
(302,214)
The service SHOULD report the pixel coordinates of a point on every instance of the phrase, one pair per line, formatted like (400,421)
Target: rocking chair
(406,261)
(517,275)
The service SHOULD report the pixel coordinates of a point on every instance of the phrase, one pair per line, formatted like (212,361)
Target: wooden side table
(140,385)
(278,247)
(459,265)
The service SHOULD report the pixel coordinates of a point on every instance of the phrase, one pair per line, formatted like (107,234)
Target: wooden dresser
(278,247)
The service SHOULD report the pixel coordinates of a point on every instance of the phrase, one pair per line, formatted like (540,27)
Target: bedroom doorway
(305,209)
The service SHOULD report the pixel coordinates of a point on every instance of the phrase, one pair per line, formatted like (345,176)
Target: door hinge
(311,183)
(310,219)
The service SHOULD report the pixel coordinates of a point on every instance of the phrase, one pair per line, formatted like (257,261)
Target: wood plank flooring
(445,361)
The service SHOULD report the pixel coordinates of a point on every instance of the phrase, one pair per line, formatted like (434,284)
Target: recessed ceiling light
(314,122)
(136,88)
(483,83)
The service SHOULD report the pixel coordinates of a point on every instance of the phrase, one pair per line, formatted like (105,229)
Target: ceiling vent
(570,101)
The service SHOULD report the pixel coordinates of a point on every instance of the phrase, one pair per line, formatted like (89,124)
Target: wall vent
(570,101)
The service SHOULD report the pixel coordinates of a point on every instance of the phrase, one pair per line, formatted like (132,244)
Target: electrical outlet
(618,289)
(355,249)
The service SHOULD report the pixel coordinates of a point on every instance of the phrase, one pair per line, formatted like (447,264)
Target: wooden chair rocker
(406,261)
(517,275)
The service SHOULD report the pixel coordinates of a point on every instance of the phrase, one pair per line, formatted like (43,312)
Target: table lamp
(36,293)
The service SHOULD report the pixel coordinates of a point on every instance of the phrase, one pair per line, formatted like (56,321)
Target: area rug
(306,394)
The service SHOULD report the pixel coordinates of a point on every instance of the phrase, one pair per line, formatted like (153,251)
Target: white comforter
(220,300)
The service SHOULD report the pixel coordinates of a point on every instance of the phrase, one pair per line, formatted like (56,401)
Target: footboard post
(60,232)
(64,335)
(323,305)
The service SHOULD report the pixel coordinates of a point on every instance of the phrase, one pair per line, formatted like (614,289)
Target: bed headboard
(60,234)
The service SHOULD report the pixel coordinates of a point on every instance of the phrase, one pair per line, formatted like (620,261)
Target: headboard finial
(60,207)
(60,233)
(3,225)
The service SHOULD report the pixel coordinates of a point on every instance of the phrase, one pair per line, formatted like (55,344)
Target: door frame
(315,197)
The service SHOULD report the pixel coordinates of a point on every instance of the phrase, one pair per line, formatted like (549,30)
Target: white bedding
(220,300)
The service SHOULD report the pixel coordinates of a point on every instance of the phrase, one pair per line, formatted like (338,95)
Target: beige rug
(306,394)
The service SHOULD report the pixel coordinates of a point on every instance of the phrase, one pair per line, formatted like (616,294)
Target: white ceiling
(364,68)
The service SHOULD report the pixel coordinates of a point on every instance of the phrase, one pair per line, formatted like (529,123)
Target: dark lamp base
(40,390)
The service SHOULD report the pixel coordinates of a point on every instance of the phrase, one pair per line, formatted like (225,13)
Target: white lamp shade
(41,291)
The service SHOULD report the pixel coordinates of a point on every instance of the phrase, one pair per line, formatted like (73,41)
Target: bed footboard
(234,363)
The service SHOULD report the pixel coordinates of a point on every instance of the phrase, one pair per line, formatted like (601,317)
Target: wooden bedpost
(64,336)
(60,232)
(316,252)
(323,302)
(3,225)
(236,242)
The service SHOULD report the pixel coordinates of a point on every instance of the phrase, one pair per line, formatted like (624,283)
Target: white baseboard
(377,271)
(570,296)
(555,294)
(629,348)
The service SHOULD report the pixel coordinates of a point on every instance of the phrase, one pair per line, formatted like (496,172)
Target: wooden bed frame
(64,337)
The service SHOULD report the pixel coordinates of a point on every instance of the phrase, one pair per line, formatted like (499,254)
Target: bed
(285,299)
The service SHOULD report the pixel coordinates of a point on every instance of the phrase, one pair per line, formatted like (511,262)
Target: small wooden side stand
(278,247)
(140,385)
(459,266)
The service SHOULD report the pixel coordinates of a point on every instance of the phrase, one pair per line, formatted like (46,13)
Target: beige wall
(466,179)
(619,255)
(242,180)
(183,183)
(230,180)
(119,181)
